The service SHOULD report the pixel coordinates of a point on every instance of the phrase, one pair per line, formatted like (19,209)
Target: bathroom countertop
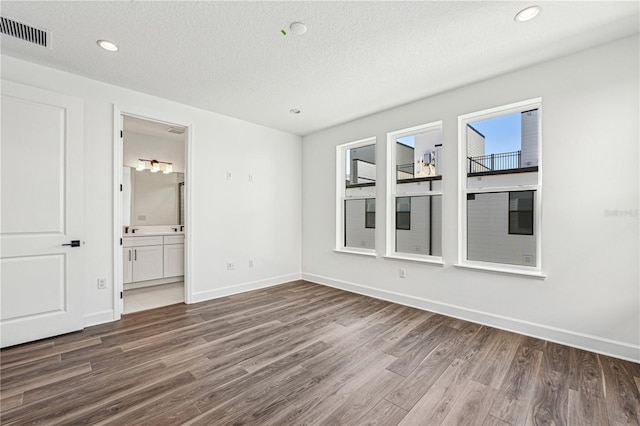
(152,234)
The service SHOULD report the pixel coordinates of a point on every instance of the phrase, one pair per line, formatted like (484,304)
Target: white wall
(229,220)
(591,296)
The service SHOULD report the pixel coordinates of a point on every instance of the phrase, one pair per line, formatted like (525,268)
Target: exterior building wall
(488,232)
(405,166)
(529,141)
(365,153)
(475,143)
(417,239)
(425,143)
(356,235)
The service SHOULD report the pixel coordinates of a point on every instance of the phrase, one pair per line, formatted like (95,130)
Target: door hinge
(121,134)
(120,241)
(120,187)
(120,295)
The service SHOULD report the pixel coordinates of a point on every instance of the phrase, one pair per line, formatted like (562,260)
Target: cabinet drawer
(174,239)
(141,241)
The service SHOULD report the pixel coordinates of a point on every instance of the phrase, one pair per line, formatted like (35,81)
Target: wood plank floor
(301,353)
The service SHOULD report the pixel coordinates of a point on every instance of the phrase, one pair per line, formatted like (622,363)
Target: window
(500,188)
(370,213)
(414,200)
(356,190)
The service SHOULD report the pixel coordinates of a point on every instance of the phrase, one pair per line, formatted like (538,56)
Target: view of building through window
(417,191)
(358,196)
(502,187)
(502,143)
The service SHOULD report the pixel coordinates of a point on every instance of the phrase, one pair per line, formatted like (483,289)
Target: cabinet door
(127,265)
(173,260)
(147,263)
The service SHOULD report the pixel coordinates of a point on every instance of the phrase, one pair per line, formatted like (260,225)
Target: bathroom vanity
(152,259)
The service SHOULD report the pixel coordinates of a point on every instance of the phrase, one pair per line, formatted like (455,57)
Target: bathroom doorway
(152,214)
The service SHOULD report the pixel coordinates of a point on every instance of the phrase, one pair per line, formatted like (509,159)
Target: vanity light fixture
(154,166)
(108,45)
(527,14)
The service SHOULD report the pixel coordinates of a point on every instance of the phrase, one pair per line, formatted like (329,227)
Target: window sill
(363,252)
(419,259)
(504,271)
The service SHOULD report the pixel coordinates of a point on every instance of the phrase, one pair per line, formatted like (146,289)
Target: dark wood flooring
(301,353)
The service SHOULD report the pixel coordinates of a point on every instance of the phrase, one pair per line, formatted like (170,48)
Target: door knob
(73,243)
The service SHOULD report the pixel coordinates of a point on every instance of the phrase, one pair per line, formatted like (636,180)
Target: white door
(42,210)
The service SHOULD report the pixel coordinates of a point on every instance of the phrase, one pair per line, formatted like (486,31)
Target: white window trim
(463,120)
(392,194)
(341,196)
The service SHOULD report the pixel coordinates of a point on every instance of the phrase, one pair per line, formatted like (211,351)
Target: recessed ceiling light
(294,111)
(527,14)
(298,28)
(107,45)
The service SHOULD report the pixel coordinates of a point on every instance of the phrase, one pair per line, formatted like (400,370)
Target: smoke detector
(176,130)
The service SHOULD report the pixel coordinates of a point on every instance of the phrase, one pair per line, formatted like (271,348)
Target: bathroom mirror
(156,198)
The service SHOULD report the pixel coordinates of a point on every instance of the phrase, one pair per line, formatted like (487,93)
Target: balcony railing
(493,162)
(405,171)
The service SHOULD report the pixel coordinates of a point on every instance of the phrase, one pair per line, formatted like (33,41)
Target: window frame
(464,191)
(341,196)
(392,194)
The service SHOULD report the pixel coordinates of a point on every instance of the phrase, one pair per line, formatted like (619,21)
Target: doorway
(151,222)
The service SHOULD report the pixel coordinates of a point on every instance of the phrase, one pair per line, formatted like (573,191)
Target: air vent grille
(24,32)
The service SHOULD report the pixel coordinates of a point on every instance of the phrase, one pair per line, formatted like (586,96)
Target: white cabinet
(152,258)
(147,263)
(173,260)
(173,255)
(127,265)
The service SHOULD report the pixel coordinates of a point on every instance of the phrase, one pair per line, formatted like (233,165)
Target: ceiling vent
(25,32)
(176,130)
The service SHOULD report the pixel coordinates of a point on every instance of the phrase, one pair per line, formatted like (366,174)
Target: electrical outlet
(229,175)
(250,263)
(252,177)
(230,266)
(402,273)
(102,283)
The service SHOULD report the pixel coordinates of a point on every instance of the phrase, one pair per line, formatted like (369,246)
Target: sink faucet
(181,228)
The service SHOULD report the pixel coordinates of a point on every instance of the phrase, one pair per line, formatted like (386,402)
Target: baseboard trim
(97,318)
(587,342)
(203,296)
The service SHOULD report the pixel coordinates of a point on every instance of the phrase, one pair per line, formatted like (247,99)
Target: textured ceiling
(356,58)
(152,128)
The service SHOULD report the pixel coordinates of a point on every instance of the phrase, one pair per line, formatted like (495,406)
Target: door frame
(118,163)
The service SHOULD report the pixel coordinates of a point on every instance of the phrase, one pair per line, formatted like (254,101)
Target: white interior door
(42,210)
